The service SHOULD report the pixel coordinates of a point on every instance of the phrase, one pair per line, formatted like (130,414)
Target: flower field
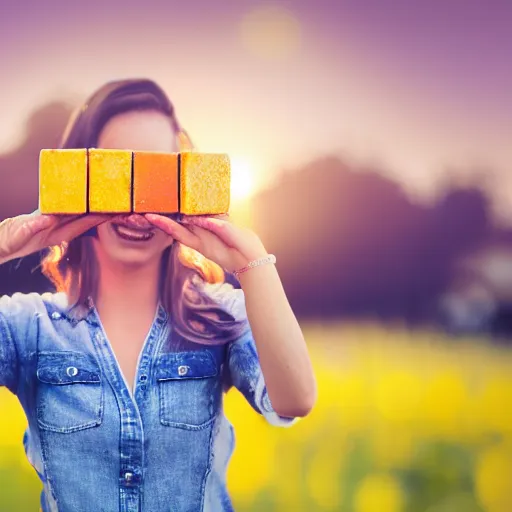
(405,422)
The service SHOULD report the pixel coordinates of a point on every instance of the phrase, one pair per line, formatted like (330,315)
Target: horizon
(244,189)
(418,89)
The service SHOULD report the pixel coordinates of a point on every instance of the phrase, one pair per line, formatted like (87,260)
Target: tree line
(350,241)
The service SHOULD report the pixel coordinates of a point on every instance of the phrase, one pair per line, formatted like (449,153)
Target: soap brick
(63,181)
(110,180)
(204,183)
(155,182)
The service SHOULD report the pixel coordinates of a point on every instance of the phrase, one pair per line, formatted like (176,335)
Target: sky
(417,87)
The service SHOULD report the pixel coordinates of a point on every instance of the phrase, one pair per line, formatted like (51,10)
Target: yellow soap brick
(63,181)
(204,183)
(110,180)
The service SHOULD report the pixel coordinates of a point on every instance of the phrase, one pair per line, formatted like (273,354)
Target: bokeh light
(271,32)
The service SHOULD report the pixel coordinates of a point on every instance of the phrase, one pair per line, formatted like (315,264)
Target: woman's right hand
(26,234)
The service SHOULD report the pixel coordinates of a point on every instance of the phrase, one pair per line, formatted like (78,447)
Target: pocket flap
(185,365)
(67,368)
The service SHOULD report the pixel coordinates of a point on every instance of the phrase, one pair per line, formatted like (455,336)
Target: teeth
(132,234)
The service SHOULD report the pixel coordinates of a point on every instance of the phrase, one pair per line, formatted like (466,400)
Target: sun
(242,178)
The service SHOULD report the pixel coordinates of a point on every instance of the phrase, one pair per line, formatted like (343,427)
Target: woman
(121,372)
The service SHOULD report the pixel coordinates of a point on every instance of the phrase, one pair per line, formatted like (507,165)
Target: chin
(129,246)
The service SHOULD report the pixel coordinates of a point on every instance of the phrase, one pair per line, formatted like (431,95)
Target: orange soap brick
(110,180)
(204,183)
(63,181)
(155,182)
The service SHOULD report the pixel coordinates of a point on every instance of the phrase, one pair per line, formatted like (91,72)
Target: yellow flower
(494,479)
(398,396)
(392,445)
(251,467)
(445,403)
(493,412)
(353,394)
(11,431)
(287,486)
(324,474)
(379,492)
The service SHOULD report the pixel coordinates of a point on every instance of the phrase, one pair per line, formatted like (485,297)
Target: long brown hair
(73,267)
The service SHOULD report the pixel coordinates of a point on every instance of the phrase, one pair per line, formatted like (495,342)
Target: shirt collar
(87,312)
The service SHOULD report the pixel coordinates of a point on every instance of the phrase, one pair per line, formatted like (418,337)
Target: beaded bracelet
(270,258)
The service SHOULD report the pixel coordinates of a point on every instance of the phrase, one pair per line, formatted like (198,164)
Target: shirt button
(182,370)
(128,476)
(71,371)
(56,315)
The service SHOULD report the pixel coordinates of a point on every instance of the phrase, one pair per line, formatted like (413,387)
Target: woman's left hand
(215,237)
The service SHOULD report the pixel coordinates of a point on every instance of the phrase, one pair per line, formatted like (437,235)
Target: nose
(135,220)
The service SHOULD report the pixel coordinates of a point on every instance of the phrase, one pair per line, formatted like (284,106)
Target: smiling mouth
(132,234)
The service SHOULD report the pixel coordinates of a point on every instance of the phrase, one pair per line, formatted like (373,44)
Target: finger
(30,225)
(72,227)
(39,222)
(206,236)
(33,217)
(198,218)
(221,216)
(174,229)
(69,218)
(192,218)
(87,222)
(64,220)
(224,229)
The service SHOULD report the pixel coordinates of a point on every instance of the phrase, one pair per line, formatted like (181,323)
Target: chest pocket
(70,392)
(189,389)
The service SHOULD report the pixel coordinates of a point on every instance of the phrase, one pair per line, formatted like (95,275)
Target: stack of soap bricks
(76,181)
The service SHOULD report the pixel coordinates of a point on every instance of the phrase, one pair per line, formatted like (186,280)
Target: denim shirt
(94,444)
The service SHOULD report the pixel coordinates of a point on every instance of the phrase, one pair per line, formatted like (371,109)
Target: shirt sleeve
(18,333)
(242,356)
(247,377)
(8,356)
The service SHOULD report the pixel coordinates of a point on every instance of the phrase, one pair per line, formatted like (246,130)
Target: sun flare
(242,178)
